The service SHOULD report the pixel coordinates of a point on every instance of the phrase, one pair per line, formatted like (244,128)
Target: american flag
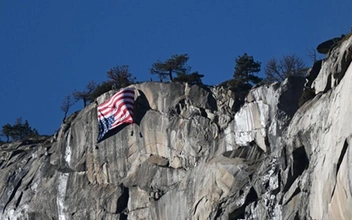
(116,111)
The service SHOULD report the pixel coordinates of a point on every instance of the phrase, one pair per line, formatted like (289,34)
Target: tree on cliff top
(120,76)
(279,70)
(244,75)
(191,78)
(85,94)
(6,131)
(245,69)
(66,105)
(18,131)
(101,89)
(176,64)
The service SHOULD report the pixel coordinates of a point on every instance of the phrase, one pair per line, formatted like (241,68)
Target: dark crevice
(251,152)
(11,160)
(328,84)
(122,202)
(296,216)
(288,101)
(345,62)
(300,160)
(123,216)
(178,108)
(141,107)
(237,105)
(29,184)
(219,212)
(18,200)
(15,152)
(333,191)
(26,142)
(63,169)
(284,158)
(300,163)
(13,193)
(212,102)
(313,73)
(196,206)
(203,113)
(342,154)
(267,143)
(240,212)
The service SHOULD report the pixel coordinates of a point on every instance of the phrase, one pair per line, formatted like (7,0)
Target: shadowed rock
(325,47)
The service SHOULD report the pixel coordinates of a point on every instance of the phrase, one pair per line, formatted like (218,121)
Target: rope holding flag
(115,111)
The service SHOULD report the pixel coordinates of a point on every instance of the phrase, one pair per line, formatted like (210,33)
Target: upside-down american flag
(116,111)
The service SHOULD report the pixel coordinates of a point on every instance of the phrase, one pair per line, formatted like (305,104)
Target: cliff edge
(196,153)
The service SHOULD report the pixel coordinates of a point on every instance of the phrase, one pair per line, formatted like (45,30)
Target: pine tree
(192,78)
(174,65)
(245,69)
(7,131)
(21,131)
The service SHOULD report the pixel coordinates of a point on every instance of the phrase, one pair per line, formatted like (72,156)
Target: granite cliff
(196,153)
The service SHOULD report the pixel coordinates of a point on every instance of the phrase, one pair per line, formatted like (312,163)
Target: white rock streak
(250,124)
(230,145)
(68,149)
(61,192)
(62,183)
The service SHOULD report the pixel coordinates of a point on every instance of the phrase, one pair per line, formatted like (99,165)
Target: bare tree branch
(120,76)
(66,105)
(85,94)
(289,65)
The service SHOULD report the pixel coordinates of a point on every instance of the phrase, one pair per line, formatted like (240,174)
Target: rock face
(325,47)
(195,153)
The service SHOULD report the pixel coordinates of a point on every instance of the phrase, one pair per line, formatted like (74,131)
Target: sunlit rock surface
(195,153)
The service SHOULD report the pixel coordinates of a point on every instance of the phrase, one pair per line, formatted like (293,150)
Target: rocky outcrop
(195,153)
(334,68)
(322,131)
(324,48)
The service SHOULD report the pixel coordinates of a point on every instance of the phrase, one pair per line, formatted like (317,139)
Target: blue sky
(50,48)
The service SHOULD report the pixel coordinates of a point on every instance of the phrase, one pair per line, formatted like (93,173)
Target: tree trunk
(63,120)
(170,75)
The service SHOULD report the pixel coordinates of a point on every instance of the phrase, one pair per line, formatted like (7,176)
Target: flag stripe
(104,111)
(115,102)
(124,92)
(119,95)
(122,115)
(116,111)
(118,107)
(123,110)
